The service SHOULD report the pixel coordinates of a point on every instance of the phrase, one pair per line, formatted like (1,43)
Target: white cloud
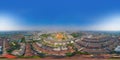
(8,22)
(109,23)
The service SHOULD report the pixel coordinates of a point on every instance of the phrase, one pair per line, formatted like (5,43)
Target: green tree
(69,54)
(23,40)
(75,35)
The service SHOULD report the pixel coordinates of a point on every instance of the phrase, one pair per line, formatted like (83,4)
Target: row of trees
(75,35)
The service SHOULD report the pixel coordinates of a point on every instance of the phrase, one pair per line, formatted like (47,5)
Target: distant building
(28,37)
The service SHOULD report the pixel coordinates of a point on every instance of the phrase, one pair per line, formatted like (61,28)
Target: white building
(117,49)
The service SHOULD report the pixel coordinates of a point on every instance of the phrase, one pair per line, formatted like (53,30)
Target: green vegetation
(71,44)
(23,40)
(28,57)
(84,53)
(69,54)
(45,35)
(36,57)
(75,35)
(13,47)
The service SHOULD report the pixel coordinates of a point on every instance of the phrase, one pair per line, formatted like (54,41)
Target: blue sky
(59,12)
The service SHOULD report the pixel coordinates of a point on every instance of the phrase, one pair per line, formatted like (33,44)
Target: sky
(59,14)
